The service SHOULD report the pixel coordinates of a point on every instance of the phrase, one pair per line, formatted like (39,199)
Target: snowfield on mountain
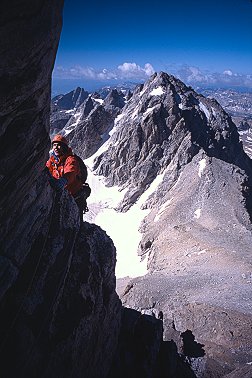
(171,185)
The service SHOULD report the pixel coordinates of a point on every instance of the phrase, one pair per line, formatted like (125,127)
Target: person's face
(58,149)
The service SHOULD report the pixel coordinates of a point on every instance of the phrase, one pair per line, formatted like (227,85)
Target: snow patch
(133,115)
(148,111)
(117,119)
(90,161)
(121,227)
(202,166)
(204,109)
(157,91)
(197,213)
(162,209)
(103,195)
(213,111)
(195,253)
(201,252)
(70,111)
(99,100)
(69,128)
(107,142)
(143,91)
(152,188)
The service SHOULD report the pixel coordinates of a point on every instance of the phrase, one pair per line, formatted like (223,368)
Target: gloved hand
(58,184)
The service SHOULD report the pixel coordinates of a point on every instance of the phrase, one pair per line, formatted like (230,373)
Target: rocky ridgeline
(197,236)
(91,120)
(62,108)
(239,106)
(70,100)
(236,103)
(165,122)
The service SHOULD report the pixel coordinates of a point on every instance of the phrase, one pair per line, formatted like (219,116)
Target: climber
(65,172)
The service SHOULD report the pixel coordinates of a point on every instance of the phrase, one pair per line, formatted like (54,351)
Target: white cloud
(228,72)
(190,75)
(133,70)
(129,67)
(194,76)
(123,71)
(149,70)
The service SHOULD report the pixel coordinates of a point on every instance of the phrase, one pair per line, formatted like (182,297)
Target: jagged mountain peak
(92,121)
(166,121)
(87,106)
(70,100)
(115,98)
(178,157)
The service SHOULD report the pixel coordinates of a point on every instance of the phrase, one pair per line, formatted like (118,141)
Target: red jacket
(67,166)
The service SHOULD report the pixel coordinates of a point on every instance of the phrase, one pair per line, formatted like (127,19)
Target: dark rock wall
(60,316)
(142,352)
(29,37)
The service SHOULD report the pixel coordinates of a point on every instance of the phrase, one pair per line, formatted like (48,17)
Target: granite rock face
(245,372)
(63,107)
(115,98)
(86,122)
(185,151)
(25,72)
(89,127)
(142,352)
(60,315)
(164,122)
(70,100)
(91,131)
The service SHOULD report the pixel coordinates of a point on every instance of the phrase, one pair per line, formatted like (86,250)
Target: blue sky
(198,41)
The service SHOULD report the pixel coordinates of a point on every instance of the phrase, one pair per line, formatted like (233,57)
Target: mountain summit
(166,122)
(184,151)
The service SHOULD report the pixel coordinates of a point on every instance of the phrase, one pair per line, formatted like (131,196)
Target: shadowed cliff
(57,300)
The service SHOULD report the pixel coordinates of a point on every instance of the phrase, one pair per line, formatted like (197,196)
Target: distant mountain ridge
(70,100)
(238,104)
